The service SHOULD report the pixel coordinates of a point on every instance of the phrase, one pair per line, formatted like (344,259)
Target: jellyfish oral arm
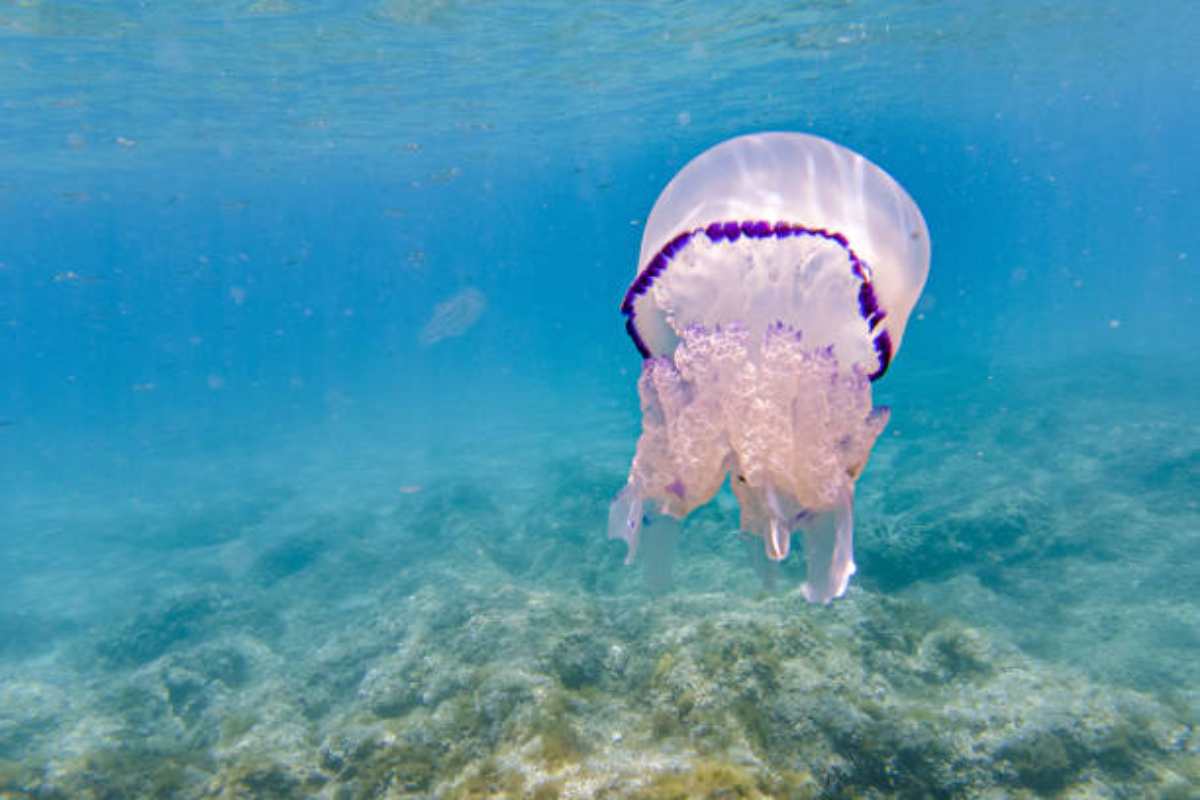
(625,519)
(788,422)
(829,552)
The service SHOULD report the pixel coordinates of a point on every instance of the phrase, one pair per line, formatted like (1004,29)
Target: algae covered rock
(578,660)
(153,632)
(476,686)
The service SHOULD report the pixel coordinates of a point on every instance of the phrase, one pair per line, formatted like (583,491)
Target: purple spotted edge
(868,304)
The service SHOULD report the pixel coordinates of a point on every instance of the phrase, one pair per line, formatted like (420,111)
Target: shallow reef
(502,690)
(353,656)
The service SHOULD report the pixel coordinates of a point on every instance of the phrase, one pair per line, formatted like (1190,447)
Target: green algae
(1043,762)
(14,776)
(236,725)
(1124,747)
(550,790)
(465,719)
(490,780)
(755,722)
(153,633)
(754,648)
(287,558)
(662,667)
(1185,777)
(706,780)
(667,722)
(264,779)
(371,769)
(894,626)
(560,741)
(405,767)
(1050,761)
(956,654)
(132,773)
(578,660)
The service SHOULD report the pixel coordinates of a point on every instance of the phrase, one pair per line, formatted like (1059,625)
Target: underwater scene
(683,399)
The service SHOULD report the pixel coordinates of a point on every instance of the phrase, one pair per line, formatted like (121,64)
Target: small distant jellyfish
(776,276)
(453,317)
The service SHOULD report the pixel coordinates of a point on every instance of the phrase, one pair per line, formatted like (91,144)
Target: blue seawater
(314,394)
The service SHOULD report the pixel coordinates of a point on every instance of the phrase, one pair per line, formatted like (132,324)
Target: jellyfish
(453,317)
(776,276)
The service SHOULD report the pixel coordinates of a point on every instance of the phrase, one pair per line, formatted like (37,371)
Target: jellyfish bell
(786,186)
(777,274)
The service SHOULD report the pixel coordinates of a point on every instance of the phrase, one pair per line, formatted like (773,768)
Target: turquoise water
(277,521)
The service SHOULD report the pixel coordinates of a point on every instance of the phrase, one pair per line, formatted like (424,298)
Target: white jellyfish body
(776,277)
